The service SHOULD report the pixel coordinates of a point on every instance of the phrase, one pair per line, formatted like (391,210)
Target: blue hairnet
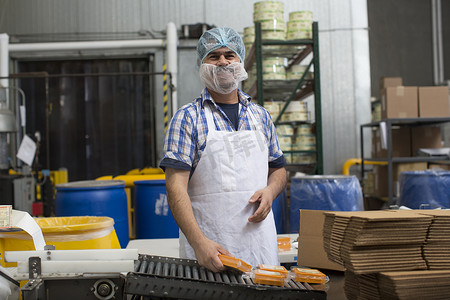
(217,38)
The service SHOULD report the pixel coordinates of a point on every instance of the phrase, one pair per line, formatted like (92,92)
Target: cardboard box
(381,177)
(399,102)
(311,252)
(386,82)
(425,137)
(433,102)
(401,143)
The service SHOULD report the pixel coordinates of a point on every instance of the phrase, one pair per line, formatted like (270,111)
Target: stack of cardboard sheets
(333,233)
(427,284)
(436,249)
(363,286)
(377,241)
(386,253)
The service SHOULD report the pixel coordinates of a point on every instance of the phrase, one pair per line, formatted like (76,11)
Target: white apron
(232,167)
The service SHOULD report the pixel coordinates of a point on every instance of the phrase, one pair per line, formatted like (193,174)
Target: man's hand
(263,198)
(207,253)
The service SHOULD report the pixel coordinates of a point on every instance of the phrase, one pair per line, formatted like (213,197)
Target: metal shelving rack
(411,122)
(296,50)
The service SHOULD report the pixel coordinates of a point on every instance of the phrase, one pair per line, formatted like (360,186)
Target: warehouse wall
(343,47)
(401,41)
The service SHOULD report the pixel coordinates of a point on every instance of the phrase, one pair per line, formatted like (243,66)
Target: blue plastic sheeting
(280,212)
(334,193)
(425,189)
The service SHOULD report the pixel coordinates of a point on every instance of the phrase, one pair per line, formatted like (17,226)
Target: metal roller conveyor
(185,279)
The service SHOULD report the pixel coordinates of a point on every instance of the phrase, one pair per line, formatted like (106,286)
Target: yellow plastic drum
(65,233)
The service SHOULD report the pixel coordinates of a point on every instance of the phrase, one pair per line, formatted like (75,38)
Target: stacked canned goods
(294,130)
(274,68)
(299,25)
(285,133)
(296,72)
(271,16)
(295,112)
(304,140)
(249,38)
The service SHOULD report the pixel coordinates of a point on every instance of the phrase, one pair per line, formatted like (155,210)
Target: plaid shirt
(185,138)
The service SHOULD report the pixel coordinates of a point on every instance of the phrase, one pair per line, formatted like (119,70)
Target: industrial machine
(16,189)
(124,274)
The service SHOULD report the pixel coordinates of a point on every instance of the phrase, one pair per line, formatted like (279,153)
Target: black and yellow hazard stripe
(166,117)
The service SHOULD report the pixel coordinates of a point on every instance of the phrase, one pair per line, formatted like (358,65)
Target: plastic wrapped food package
(235,263)
(285,129)
(273,25)
(268,277)
(284,243)
(273,35)
(305,139)
(295,116)
(268,6)
(308,275)
(302,158)
(285,139)
(299,34)
(301,15)
(280,269)
(305,129)
(296,106)
(259,16)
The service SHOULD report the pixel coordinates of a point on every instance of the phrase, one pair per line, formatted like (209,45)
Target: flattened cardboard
(375,241)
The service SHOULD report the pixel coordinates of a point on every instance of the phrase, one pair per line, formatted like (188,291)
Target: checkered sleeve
(274,147)
(179,142)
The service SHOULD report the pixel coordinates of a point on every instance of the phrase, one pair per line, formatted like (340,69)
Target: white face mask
(222,79)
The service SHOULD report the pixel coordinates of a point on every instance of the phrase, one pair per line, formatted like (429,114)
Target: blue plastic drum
(154,219)
(321,192)
(100,198)
(425,189)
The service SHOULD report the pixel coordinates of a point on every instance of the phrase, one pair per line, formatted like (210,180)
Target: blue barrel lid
(91,184)
(426,173)
(150,182)
(323,177)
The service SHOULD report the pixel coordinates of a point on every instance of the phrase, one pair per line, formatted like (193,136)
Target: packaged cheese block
(235,263)
(309,275)
(280,269)
(284,243)
(268,277)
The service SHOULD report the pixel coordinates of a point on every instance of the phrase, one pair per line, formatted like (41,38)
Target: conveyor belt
(165,277)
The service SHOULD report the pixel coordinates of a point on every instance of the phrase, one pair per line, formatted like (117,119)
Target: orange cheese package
(309,275)
(280,269)
(235,263)
(284,243)
(268,277)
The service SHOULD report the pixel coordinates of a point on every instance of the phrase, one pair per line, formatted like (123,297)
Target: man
(223,164)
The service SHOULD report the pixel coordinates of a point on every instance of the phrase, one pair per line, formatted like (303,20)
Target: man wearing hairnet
(223,163)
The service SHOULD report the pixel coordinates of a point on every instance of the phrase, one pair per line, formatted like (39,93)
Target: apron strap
(209,118)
